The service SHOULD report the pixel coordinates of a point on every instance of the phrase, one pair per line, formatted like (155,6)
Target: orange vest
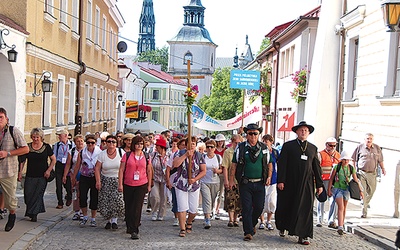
(327,162)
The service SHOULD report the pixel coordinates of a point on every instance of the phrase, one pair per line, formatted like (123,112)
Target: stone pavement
(377,228)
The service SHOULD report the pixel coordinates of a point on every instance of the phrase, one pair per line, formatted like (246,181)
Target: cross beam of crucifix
(189,115)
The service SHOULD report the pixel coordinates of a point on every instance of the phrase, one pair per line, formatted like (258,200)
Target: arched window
(188,56)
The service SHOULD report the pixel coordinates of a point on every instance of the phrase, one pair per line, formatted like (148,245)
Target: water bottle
(74,195)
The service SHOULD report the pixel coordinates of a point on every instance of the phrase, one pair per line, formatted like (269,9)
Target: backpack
(55,147)
(338,169)
(11,129)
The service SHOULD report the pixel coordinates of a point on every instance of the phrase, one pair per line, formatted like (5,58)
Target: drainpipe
(276,46)
(339,115)
(78,118)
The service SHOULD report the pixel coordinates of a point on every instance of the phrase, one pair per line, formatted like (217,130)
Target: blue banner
(245,79)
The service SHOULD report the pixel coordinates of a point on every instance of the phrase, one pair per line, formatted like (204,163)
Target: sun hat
(161,142)
(127,136)
(220,137)
(301,124)
(345,156)
(252,126)
(62,132)
(331,140)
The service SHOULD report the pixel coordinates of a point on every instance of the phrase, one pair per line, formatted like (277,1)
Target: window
(351,86)
(396,88)
(97,26)
(104,31)
(86,103)
(111,43)
(392,87)
(154,115)
(94,103)
(47,104)
(71,104)
(75,13)
(282,66)
(101,104)
(89,20)
(60,100)
(156,94)
(63,11)
(49,7)
(188,56)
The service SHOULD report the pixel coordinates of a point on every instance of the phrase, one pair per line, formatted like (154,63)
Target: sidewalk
(379,228)
(25,231)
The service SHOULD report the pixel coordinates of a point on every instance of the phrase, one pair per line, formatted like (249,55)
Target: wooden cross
(189,115)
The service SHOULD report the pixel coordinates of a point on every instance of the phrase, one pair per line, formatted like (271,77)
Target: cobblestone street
(162,235)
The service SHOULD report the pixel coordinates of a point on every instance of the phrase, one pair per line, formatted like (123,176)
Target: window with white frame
(291,60)
(104,31)
(351,77)
(154,115)
(109,105)
(97,26)
(392,87)
(75,15)
(101,104)
(89,20)
(60,100)
(111,43)
(63,11)
(282,66)
(49,6)
(94,103)
(86,102)
(156,94)
(71,104)
(47,104)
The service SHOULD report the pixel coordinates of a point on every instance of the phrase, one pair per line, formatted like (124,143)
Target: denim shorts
(340,193)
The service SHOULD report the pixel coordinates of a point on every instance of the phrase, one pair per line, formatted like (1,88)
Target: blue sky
(228,21)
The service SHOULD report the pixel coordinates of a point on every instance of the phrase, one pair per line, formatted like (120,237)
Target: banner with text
(252,114)
(132,109)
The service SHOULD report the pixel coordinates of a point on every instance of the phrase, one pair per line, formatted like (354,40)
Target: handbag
(51,176)
(354,190)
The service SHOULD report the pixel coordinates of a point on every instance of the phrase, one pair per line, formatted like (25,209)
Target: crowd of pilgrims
(115,174)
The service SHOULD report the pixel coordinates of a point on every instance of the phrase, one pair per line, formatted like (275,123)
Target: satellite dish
(121,46)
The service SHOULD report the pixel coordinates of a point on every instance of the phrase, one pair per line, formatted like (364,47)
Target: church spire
(146,28)
(194,14)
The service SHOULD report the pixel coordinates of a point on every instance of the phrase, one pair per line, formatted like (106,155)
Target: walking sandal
(182,233)
(188,228)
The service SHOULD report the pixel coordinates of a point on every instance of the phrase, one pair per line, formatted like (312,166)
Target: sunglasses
(210,147)
(140,143)
(252,133)
(119,136)
(103,140)
(332,146)
(110,141)
(91,142)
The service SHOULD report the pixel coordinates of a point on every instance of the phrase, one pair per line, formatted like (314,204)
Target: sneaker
(176,222)
(148,210)
(10,223)
(154,217)
(262,226)
(340,231)
(269,226)
(303,241)
(282,233)
(76,217)
(333,225)
(114,226)
(1,214)
(134,236)
(217,217)
(207,224)
(247,237)
(160,218)
(319,225)
(108,226)
(364,216)
(83,222)
(93,223)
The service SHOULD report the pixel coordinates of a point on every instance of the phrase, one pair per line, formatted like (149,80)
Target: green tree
(224,102)
(156,57)
(264,44)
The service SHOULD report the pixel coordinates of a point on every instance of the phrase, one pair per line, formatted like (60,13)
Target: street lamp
(12,54)
(119,97)
(391,14)
(47,84)
(268,117)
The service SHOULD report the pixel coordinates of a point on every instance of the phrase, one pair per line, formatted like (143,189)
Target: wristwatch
(8,154)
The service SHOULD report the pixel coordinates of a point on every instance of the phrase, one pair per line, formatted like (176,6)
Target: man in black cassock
(299,172)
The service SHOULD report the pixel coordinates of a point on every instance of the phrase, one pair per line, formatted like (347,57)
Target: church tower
(147,24)
(193,42)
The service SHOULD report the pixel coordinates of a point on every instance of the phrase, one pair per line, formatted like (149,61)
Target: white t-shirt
(210,176)
(109,167)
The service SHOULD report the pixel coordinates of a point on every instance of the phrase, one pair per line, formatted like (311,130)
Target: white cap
(220,137)
(331,139)
(345,156)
